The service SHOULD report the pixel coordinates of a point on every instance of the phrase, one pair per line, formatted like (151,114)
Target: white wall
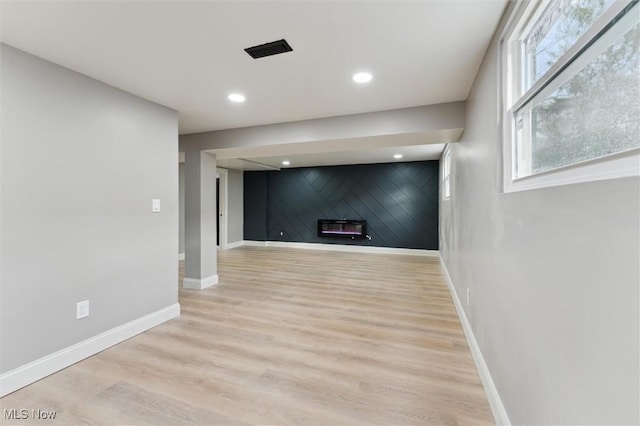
(235,218)
(554,279)
(81,162)
(235,208)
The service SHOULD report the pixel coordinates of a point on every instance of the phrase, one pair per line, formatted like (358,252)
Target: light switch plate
(155,205)
(82,309)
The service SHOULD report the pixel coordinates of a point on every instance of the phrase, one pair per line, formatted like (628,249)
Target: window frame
(446,173)
(523,17)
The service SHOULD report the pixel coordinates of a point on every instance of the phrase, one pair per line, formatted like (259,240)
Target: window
(572,92)
(446,174)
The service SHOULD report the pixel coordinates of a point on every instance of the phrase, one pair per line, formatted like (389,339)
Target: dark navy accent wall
(399,201)
(255,206)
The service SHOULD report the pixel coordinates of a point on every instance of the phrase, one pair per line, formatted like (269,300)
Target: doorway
(218,212)
(222,201)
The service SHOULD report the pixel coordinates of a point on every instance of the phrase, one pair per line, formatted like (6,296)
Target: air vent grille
(269,49)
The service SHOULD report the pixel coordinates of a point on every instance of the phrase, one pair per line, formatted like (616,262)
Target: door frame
(223,198)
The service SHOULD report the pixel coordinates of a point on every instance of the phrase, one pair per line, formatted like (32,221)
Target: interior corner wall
(235,216)
(398,200)
(553,275)
(81,163)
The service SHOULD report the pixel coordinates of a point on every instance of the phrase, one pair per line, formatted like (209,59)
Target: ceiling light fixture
(362,77)
(397,156)
(236,97)
(286,162)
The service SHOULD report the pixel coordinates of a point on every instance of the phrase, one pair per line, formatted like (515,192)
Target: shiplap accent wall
(399,201)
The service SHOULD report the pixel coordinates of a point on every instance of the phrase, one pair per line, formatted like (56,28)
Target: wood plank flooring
(288,337)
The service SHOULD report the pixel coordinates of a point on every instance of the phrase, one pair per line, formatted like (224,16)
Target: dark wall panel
(399,201)
(255,206)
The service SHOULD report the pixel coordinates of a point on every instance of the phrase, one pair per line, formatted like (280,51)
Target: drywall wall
(201,260)
(181,208)
(235,208)
(81,163)
(235,218)
(434,123)
(399,201)
(553,276)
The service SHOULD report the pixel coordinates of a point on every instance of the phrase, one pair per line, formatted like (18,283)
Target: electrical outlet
(82,309)
(468,296)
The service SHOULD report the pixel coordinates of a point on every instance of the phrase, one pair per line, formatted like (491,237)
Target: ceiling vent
(269,49)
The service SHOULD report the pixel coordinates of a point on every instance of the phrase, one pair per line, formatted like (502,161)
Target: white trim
(223,203)
(200,284)
(495,402)
(49,364)
(446,173)
(342,247)
(512,98)
(619,165)
(180,256)
(235,244)
(250,243)
(567,58)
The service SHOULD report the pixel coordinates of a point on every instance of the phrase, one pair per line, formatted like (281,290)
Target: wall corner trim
(234,244)
(52,363)
(498,410)
(251,243)
(200,284)
(180,256)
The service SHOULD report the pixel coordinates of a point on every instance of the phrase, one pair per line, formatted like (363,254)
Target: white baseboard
(234,244)
(342,247)
(249,243)
(200,284)
(495,402)
(47,365)
(180,256)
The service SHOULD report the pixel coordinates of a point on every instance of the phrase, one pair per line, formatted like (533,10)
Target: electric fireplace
(342,228)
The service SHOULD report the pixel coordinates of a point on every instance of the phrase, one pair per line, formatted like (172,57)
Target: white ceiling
(365,156)
(189,55)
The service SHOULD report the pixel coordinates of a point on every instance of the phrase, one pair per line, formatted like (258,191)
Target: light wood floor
(288,337)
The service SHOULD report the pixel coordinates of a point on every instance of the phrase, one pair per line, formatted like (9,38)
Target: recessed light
(236,97)
(362,77)
(397,156)
(286,162)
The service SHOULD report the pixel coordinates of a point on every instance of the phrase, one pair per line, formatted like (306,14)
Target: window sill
(620,165)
